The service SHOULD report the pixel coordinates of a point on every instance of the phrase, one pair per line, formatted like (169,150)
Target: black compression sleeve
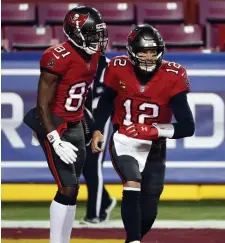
(104,108)
(185,126)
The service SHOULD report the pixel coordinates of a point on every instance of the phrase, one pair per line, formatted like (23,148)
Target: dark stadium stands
(118,36)
(58,33)
(113,13)
(116,13)
(14,14)
(52,13)
(215,11)
(28,37)
(35,26)
(182,35)
(160,12)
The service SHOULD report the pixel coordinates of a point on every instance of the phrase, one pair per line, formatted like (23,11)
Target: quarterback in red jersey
(67,71)
(142,92)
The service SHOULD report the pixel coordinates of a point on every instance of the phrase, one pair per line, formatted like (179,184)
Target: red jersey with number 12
(75,76)
(145,104)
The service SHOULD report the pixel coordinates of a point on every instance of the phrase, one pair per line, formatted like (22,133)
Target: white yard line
(108,164)
(190,72)
(159,224)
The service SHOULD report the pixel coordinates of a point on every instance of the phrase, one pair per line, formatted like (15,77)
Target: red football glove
(140,131)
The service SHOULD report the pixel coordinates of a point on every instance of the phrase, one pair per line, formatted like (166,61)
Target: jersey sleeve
(110,79)
(53,63)
(181,83)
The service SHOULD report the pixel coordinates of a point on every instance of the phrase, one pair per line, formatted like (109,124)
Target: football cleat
(106,214)
(87,221)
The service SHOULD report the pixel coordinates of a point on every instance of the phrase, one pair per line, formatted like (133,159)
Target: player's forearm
(176,130)
(185,125)
(104,109)
(46,118)
(46,92)
(183,129)
(102,113)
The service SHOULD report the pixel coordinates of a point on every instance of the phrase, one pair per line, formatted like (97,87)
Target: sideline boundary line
(35,72)
(159,224)
(108,164)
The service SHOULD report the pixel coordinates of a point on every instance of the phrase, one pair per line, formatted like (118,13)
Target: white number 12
(141,118)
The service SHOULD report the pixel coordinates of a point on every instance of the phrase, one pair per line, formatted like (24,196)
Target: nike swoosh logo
(57,57)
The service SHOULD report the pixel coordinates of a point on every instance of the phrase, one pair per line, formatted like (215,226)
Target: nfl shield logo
(142,88)
(88,66)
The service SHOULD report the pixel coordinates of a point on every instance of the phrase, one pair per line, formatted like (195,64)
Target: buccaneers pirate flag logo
(77,20)
(132,35)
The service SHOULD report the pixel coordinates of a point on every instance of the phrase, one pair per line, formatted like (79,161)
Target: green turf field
(193,210)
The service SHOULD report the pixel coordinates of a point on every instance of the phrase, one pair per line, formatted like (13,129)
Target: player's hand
(65,150)
(96,139)
(140,131)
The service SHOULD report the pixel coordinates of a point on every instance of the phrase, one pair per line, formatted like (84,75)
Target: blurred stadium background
(194,31)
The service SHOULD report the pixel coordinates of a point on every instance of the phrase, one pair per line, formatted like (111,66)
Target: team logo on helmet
(77,19)
(132,35)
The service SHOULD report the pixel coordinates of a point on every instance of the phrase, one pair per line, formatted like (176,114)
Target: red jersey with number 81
(75,76)
(145,104)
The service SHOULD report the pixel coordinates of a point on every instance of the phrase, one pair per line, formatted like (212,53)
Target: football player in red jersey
(141,94)
(67,71)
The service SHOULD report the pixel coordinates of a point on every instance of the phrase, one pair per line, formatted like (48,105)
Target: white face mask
(147,66)
(89,50)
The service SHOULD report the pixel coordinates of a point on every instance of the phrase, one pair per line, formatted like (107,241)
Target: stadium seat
(187,50)
(2,32)
(14,13)
(215,11)
(160,12)
(216,36)
(121,13)
(116,13)
(118,37)
(51,13)
(58,33)
(178,36)
(4,44)
(212,16)
(28,37)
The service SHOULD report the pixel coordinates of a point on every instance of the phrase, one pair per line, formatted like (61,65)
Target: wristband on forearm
(165,130)
(52,136)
